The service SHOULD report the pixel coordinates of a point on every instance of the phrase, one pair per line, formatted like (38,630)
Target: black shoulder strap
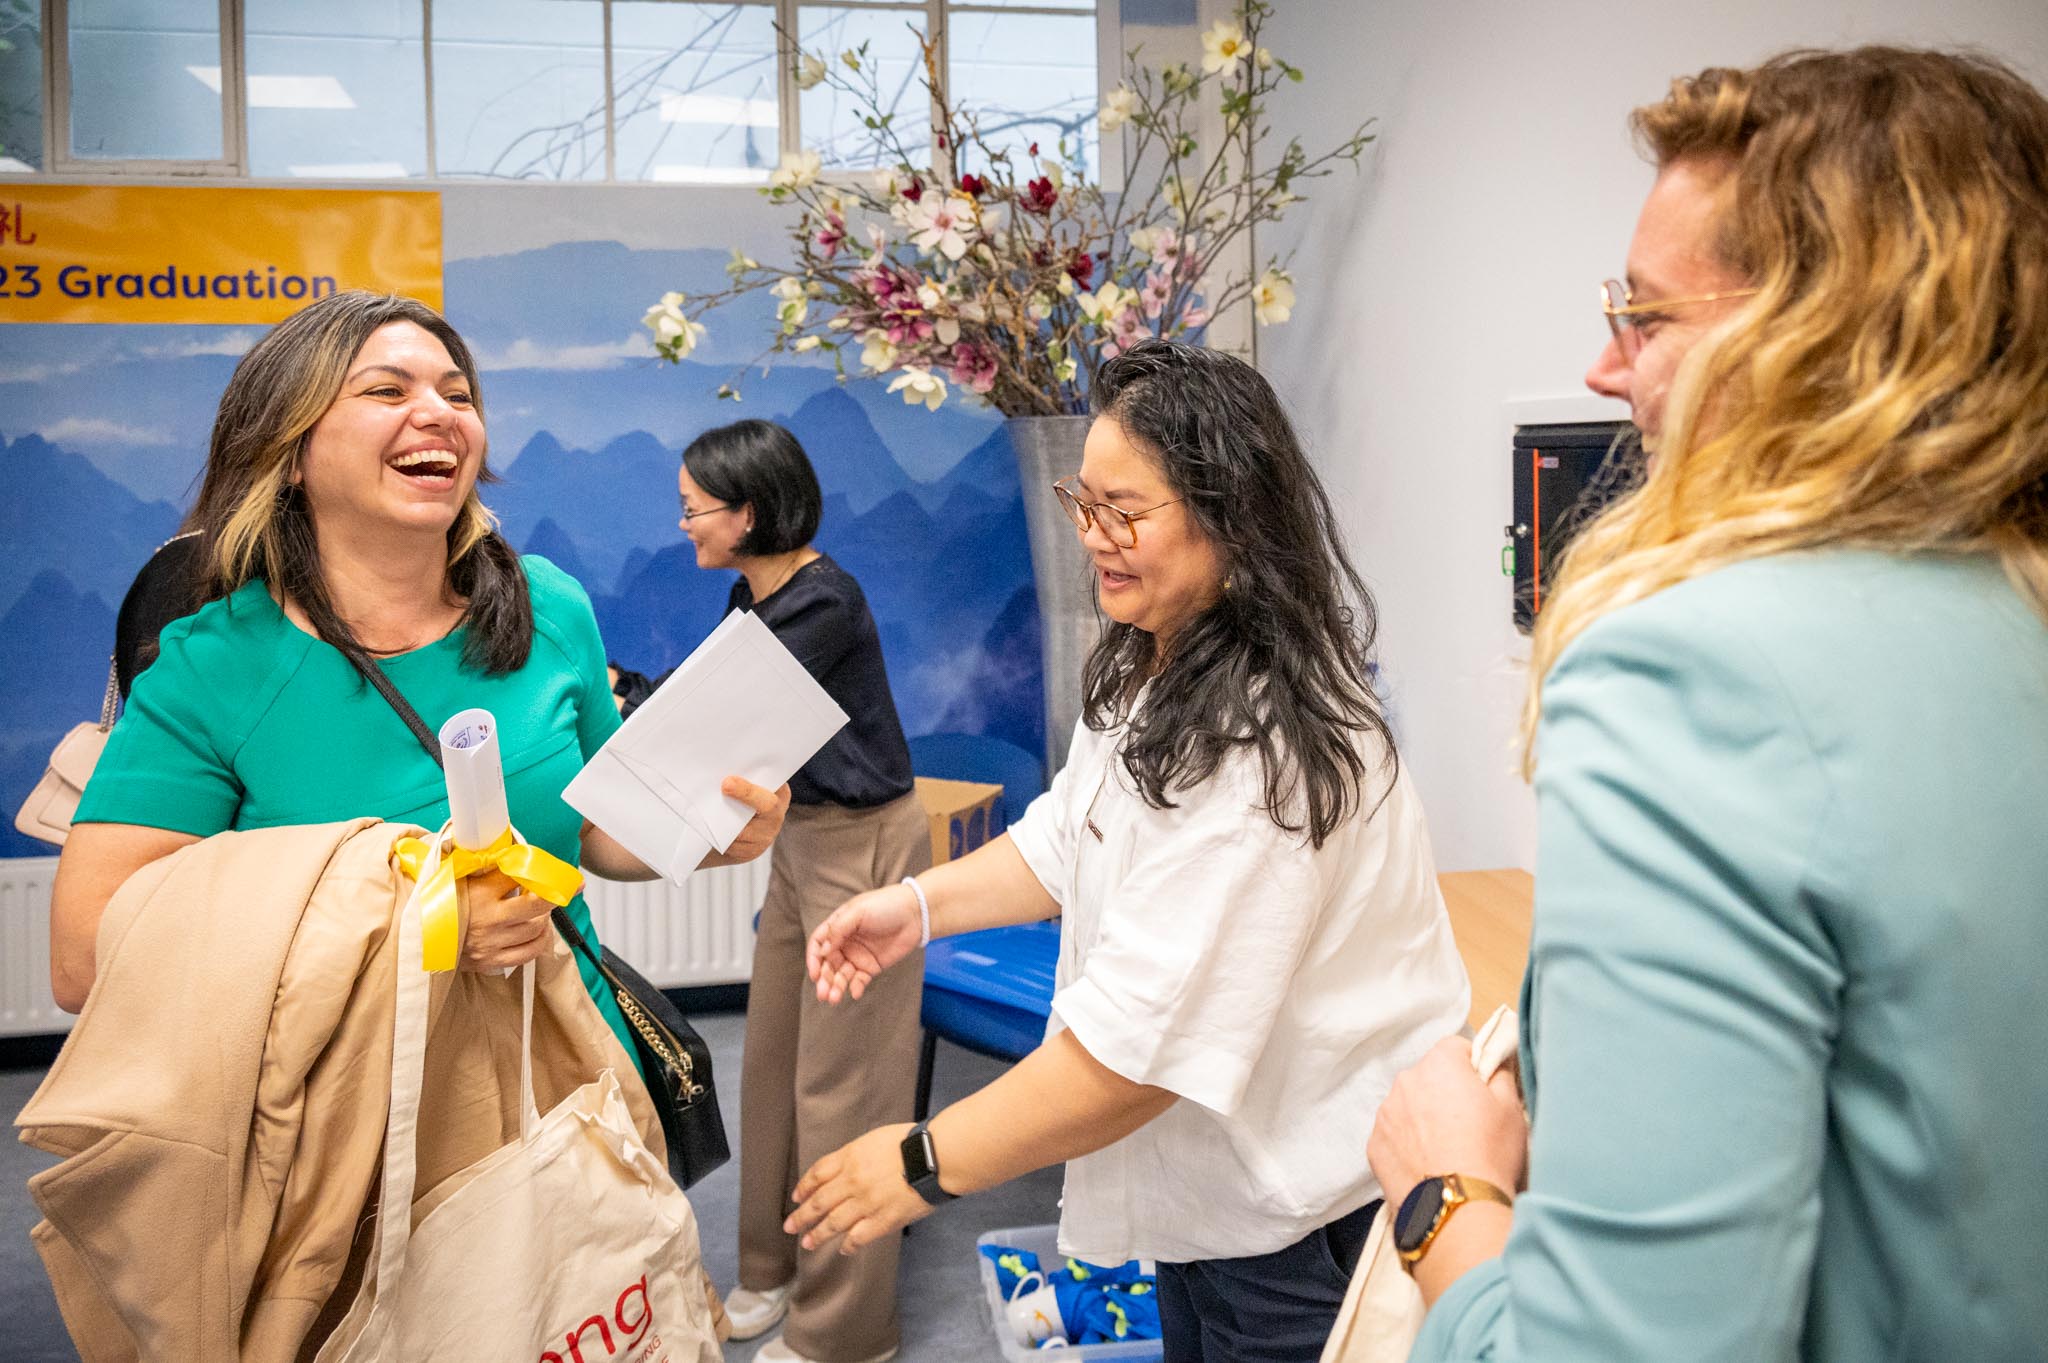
(374,675)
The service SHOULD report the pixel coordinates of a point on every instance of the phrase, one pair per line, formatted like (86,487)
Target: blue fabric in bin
(991,991)
(1099,1305)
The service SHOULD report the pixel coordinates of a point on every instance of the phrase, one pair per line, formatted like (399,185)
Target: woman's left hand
(769,806)
(857,1194)
(1440,1119)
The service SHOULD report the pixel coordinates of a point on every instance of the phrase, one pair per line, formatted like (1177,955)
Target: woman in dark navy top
(813,1077)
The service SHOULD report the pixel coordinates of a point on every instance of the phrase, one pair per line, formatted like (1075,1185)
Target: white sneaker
(777,1350)
(753,1313)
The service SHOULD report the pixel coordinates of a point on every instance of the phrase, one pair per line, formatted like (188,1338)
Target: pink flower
(1156,293)
(832,235)
(1039,196)
(1193,318)
(974,367)
(1126,329)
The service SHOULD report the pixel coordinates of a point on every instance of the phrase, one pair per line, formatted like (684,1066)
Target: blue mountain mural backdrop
(103,433)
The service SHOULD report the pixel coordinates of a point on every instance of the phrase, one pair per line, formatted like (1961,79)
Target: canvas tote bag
(1382,1312)
(570,1243)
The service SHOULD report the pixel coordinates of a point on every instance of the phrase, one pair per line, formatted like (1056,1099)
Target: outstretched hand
(864,936)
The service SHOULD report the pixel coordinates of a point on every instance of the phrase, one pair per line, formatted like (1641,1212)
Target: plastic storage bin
(1044,1242)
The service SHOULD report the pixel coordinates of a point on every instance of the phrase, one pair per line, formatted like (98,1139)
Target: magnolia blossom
(945,223)
(1264,58)
(878,353)
(1223,48)
(798,170)
(1039,195)
(831,233)
(1175,191)
(674,334)
(1273,298)
(919,384)
(804,343)
(795,305)
(1039,308)
(1159,241)
(740,263)
(1118,107)
(1155,293)
(974,367)
(1064,367)
(1106,301)
(810,71)
(1126,329)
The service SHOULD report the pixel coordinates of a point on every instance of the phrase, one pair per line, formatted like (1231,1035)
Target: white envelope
(741,704)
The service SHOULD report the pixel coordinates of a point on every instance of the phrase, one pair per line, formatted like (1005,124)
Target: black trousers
(1263,1308)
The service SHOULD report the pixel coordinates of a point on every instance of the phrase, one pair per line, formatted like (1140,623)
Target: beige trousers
(813,1076)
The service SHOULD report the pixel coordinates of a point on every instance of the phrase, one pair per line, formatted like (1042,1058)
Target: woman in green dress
(339,512)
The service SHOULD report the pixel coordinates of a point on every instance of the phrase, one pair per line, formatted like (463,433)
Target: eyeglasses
(690,515)
(1626,318)
(1117,525)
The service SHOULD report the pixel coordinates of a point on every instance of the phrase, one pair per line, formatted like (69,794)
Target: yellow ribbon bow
(529,867)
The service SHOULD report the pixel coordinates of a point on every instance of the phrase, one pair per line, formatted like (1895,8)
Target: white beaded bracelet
(924,912)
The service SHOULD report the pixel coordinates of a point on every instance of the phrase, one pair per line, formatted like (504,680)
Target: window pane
(145,80)
(519,89)
(21,86)
(832,121)
(693,91)
(1082,6)
(1027,78)
(336,92)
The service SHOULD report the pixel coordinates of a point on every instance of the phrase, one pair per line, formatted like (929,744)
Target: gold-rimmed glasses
(1117,525)
(1626,318)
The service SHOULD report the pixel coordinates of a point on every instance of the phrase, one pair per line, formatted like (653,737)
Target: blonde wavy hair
(254,517)
(1888,385)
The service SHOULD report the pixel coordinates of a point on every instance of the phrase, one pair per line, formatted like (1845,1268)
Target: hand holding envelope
(741,704)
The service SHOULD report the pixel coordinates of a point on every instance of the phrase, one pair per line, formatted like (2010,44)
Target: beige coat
(221,1103)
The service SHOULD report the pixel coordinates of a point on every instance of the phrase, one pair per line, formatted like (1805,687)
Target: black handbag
(674,1059)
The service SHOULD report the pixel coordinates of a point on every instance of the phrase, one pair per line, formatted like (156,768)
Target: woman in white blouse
(1253,943)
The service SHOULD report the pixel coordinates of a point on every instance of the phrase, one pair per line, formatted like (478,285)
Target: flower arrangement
(1010,276)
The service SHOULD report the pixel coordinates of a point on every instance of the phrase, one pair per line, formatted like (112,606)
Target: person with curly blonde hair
(1788,724)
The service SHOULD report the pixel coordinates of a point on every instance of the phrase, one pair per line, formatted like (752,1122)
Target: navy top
(822,617)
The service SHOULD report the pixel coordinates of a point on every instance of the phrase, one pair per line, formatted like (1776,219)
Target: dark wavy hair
(255,520)
(760,464)
(1280,663)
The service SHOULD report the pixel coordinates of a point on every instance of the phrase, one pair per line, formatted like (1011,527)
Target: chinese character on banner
(12,224)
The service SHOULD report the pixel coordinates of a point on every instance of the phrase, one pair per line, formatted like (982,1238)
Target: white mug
(1034,1312)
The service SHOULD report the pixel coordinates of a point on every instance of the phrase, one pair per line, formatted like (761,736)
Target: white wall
(1455,280)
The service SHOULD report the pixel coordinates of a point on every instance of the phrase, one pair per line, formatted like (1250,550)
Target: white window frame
(234,164)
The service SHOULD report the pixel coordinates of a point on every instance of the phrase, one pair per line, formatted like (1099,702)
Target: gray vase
(1048,448)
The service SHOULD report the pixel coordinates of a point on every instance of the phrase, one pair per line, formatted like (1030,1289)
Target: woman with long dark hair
(1252,938)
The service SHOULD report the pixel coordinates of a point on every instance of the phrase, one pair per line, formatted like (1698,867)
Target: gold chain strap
(657,1041)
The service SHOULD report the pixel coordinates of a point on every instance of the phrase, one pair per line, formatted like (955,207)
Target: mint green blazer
(1786,1044)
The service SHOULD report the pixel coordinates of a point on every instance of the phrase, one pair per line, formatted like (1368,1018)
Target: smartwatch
(1428,1207)
(921,1165)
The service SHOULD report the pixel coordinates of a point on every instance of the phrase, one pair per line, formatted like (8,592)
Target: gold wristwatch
(1428,1207)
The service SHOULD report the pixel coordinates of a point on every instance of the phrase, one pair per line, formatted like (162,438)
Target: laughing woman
(339,520)
(1252,939)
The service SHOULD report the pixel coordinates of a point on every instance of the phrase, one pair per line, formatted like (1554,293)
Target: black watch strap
(921,1165)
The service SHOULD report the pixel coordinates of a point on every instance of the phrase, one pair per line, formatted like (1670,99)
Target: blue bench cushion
(991,991)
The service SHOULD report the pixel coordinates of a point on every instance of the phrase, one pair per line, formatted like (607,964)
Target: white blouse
(1277,989)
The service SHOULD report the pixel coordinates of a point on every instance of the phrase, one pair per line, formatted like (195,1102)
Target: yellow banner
(106,253)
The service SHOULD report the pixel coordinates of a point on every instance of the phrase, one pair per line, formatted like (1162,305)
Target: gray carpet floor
(944,1317)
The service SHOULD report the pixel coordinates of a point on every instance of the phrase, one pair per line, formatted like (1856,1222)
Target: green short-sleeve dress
(247,721)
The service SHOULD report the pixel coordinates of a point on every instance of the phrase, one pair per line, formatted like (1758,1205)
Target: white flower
(1273,298)
(920,385)
(928,296)
(810,71)
(1106,301)
(943,223)
(1039,308)
(947,329)
(1223,47)
(740,263)
(798,170)
(795,304)
(878,353)
(674,334)
(839,323)
(1053,171)
(851,58)
(1175,191)
(1117,109)
(888,184)
(1264,58)
(804,343)
(1068,288)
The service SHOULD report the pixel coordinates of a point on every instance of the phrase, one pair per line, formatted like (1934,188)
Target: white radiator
(694,934)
